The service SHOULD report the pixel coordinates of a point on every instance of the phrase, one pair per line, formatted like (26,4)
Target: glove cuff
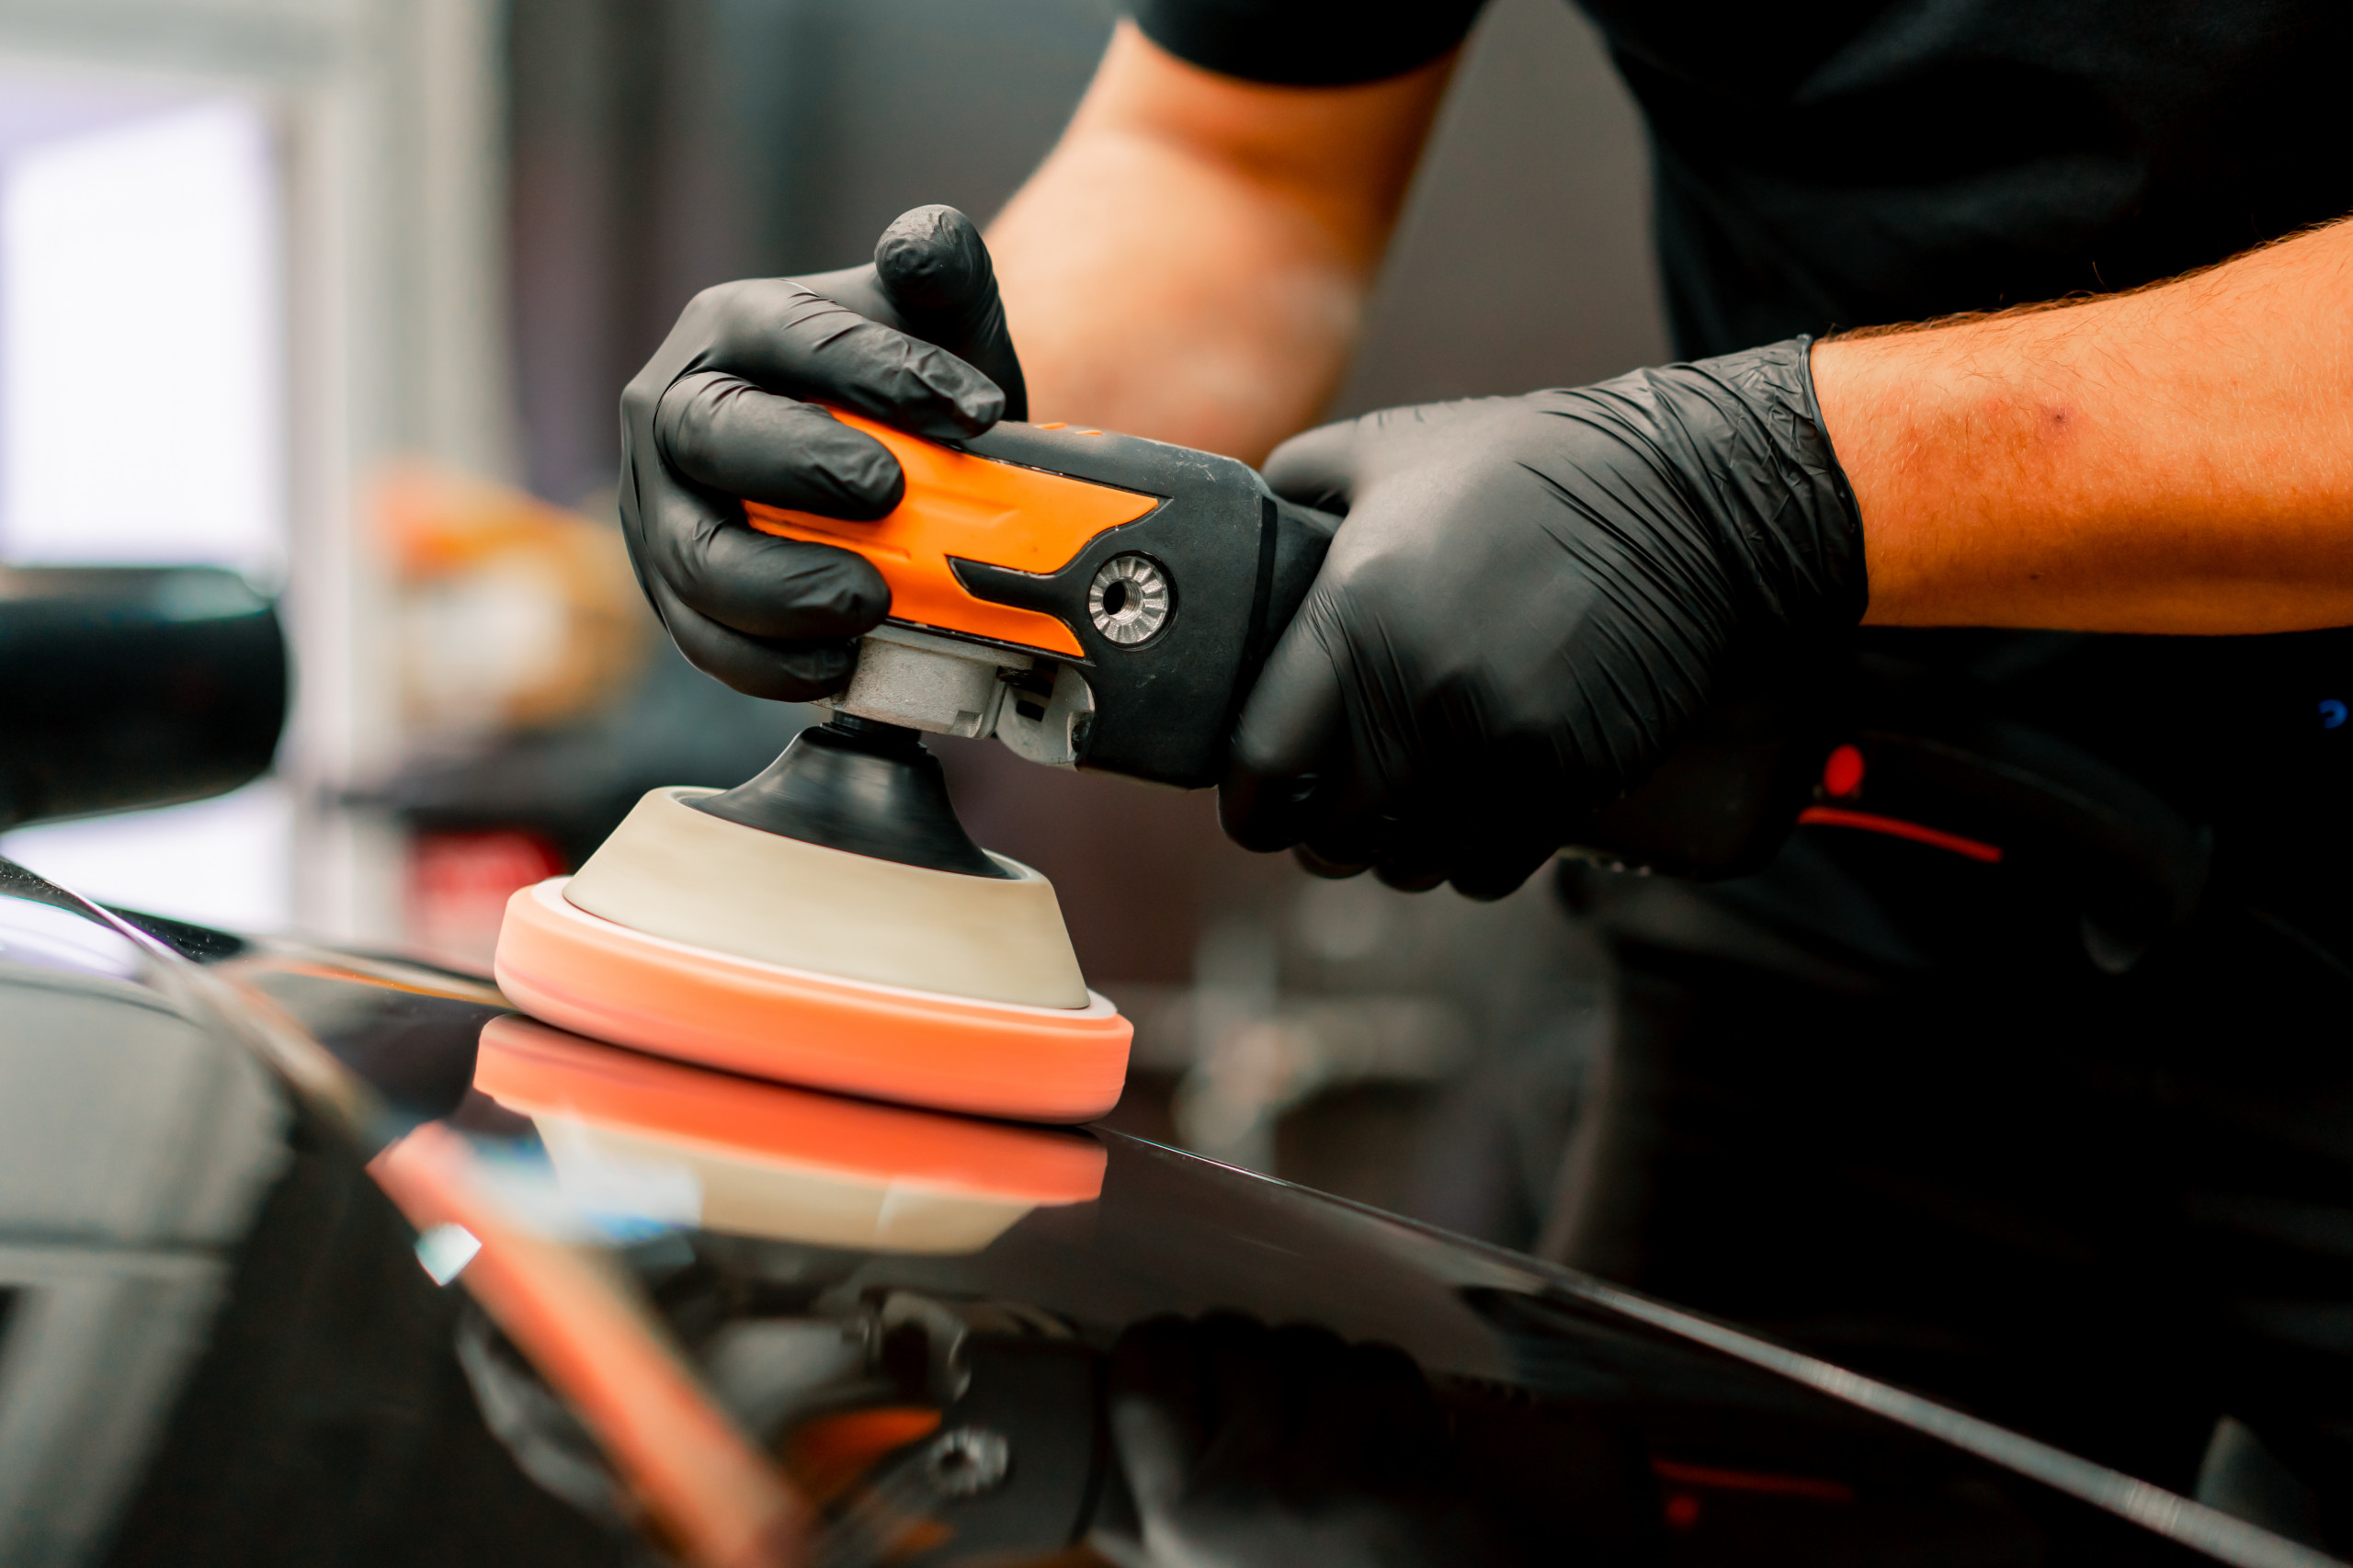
(1762,469)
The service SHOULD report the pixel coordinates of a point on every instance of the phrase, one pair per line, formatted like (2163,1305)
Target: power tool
(1092,600)
(1095,601)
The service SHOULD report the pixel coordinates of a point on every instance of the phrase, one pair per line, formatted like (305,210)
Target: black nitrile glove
(1530,596)
(916,339)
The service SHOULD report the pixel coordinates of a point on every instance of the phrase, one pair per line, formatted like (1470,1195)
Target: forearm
(1150,295)
(2178,460)
(1192,261)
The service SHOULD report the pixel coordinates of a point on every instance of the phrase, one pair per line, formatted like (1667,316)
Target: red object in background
(458,884)
(1842,775)
(1842,779)
(1896,827)
(1709,1477)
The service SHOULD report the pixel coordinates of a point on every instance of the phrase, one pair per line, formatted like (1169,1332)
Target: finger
(1416,874)
(780,671)
(759,585)
(1279,780)
(934,266)
(721,431)
(1346,842)
(793,340)
(1524,825)
(1315,863)
(1419,855)
(1496,871)
(1317,468)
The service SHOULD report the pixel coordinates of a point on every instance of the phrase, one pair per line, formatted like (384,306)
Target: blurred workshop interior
(395,260)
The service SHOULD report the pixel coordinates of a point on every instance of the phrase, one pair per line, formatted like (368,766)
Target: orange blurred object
(513,612)
(827,1456)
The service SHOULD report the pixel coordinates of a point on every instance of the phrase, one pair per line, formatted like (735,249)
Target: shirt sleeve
(1306,43)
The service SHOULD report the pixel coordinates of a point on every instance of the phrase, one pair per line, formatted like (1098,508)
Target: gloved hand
(1529,597)
(916,339)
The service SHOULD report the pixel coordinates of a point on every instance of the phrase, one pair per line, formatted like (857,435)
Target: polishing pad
(559,962)
(672,870)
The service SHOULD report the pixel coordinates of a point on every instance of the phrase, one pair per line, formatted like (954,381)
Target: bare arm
(1191,262)
(2177,460)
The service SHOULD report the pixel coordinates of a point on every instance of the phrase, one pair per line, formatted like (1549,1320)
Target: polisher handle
(1161,574)
(959,507)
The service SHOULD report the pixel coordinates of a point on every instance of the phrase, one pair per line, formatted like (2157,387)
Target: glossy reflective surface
(308,1257)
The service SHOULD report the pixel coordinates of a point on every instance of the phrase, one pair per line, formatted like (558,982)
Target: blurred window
(142,418)
(140,342)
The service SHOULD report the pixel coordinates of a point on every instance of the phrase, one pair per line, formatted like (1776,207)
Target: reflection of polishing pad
(757,1159)
(576,970)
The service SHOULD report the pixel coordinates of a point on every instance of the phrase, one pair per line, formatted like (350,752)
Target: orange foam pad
(974,509)
(580,973)
(531,1068)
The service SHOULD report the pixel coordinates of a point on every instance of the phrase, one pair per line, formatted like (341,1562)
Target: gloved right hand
(720,415)
(1530,600)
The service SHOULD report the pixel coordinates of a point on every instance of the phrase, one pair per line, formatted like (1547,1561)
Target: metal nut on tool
(965,1461)
(1130,599)
(926,682)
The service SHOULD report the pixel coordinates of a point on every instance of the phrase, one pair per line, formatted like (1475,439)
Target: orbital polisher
(1093,601)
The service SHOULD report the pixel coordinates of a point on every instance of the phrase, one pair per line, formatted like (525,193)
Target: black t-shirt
(1862,162)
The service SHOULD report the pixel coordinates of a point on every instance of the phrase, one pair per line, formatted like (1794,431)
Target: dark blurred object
(570,786)
(132,686)
(1246,1445)
(1727,793)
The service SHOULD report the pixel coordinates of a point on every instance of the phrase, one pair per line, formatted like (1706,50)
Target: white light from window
(141,399)
(226,862)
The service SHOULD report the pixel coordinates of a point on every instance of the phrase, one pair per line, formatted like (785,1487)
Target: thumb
(1281,773)
(933,265)
(1317,468)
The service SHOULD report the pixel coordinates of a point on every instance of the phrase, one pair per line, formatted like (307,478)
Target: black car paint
(326,1401)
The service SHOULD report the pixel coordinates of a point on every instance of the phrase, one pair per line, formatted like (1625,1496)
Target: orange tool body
(1109,597)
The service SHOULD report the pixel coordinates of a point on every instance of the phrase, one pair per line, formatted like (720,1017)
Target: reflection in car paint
(729,1323)
(630,1135)
(586,1332)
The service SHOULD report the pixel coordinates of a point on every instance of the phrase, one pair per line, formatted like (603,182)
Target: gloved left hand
(728,410)
(1530,598)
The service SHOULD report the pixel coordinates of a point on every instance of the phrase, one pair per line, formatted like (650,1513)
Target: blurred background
(341,294)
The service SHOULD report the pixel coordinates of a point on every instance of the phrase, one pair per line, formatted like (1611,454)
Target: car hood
(310,1255)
